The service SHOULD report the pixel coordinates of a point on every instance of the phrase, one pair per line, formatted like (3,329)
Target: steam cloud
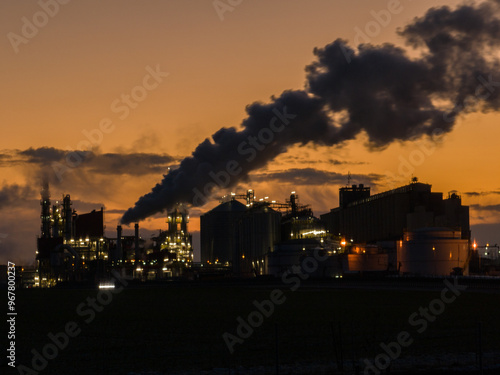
(378,90)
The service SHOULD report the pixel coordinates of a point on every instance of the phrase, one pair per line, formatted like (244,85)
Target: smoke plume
(377,90)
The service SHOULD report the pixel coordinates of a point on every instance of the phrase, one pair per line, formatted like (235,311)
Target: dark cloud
(376,90)
(115,212)
(481,193)
(53,159)
(311,176)
(46,155)
(491,207)
(310,160)
(15,195)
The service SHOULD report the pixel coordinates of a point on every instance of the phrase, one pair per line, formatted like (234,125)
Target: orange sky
(64,80)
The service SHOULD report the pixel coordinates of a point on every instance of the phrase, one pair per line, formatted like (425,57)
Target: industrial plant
(73,247)
(410,230)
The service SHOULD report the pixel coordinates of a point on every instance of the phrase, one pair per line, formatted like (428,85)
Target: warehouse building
(386,216)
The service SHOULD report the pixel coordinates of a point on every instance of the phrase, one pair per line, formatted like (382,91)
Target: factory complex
(410,230)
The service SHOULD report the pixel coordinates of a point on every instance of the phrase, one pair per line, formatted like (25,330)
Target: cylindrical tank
(432,251)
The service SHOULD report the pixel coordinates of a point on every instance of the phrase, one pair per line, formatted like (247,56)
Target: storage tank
(218,232)
(432,251)
(259,229)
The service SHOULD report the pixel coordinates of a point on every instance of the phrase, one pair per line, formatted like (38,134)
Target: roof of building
(230,206)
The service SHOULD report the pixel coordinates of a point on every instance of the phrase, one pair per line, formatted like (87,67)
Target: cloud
(481,193)
(311,176)
(378,91)
(134,164)
(15,195)
(491,208)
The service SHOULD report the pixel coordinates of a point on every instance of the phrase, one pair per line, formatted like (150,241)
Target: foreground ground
(179,328)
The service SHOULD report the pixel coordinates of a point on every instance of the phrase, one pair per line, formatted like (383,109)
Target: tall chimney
(137,253)
(118,253)
(45,215)
(67,218)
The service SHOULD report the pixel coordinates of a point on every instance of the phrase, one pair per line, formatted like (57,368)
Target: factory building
(248,238)
(70,246)
(295,256)
(299,222)
(172,251)
(238,235)
(385,216)
(73,247)
(367,258)
(396,230)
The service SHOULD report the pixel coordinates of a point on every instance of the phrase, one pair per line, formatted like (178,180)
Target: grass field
(180,327)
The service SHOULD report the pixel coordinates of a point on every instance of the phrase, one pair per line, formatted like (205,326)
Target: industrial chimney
(137,253)
(118,252)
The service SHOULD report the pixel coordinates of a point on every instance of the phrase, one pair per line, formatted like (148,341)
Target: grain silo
(432,251)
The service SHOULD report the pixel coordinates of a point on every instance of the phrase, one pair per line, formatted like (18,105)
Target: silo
(218,232)
(432,251)
(259,229)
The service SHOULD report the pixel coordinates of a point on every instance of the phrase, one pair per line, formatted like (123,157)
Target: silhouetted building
(258,230)
(218,232)
(386,216)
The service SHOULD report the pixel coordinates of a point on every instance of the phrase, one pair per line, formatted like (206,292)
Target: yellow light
(343,243)
(243,257)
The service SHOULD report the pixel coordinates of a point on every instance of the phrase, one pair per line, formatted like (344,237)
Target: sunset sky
(194,66)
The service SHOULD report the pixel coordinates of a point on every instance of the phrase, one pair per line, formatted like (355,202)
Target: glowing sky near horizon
(72,75)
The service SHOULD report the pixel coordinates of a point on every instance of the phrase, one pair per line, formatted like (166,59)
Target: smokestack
(55,221)
(45,214)
(67,218)
(137,251)
(119,253)
(293,203)
(376,90)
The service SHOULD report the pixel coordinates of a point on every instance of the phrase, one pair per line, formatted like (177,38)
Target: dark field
(176,328)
